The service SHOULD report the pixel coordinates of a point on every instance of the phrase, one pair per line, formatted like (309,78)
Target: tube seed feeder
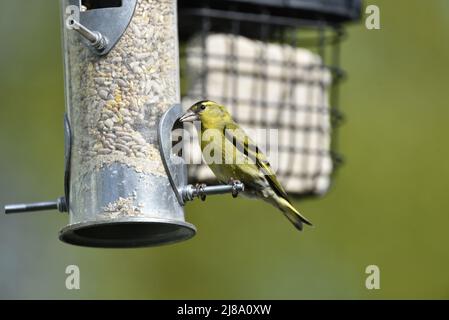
(123,187)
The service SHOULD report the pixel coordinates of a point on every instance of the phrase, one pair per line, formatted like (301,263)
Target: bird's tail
(291,213)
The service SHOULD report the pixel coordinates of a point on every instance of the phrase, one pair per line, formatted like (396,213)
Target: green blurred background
(389,205)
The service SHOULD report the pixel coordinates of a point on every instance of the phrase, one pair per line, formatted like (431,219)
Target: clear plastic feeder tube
(120,195)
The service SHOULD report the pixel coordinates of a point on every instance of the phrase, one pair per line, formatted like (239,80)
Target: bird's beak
(189,116)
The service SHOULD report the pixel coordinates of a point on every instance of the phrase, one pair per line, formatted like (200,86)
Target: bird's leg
(234,184)
(200,191)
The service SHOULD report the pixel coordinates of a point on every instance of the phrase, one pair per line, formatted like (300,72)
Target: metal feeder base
(127,233)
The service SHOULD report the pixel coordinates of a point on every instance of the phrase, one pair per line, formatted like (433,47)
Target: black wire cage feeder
(275,65)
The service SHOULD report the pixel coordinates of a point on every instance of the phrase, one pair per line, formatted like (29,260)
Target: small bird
(254,171)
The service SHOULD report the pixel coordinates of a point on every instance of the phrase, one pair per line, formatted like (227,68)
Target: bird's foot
(200,191)
(235,189)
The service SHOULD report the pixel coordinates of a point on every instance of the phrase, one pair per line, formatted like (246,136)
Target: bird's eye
(203,107)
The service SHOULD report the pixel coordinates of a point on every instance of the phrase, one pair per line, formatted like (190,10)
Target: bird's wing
(243,143)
